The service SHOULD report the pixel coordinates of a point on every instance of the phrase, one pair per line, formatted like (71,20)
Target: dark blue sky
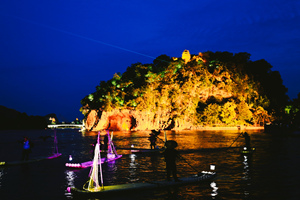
(54,53)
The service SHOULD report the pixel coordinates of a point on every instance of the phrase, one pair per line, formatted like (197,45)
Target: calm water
(272,172)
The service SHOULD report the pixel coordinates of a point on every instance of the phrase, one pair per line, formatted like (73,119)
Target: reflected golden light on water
(203,139)
(186,139)
(86,133)
(263,177)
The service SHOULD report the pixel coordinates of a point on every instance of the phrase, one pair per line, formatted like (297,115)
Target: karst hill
(208,89)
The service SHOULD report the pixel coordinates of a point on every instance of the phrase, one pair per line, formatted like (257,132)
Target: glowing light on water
(133,168)
(70,177)
(78,165)
(1,175)
(70,158)
(214,187)
(246,168)
(132,158)
(111,155)
(246,165)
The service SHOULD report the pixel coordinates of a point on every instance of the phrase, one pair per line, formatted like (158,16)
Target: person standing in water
(247,140)
(171,154)
(152,140)
(26,149)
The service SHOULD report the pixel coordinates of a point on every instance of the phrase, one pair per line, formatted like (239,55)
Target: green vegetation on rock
(209,89)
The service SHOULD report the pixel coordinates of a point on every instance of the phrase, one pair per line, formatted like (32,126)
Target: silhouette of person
(247,140)
(171,154)
(26,149)
(152,140)
(105,143)
(104,146)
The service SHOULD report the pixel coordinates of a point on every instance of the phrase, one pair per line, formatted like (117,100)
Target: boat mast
(111,146)
(165,136)
(101,176)
(55,149)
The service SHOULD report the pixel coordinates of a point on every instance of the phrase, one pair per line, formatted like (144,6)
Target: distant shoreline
(237,128)
(228,128)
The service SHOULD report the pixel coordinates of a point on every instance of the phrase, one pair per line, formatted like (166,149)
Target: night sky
(54,53)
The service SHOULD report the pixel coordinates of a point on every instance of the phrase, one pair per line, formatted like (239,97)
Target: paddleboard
(21,162)
(137,150)
(130,187)
(248,151)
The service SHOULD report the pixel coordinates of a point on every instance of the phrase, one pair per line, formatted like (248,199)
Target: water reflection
(70,177)
(154,163)
(109,172)
(1,176)
(247,161)
(133,168)
(172,193)
(214,187)
(112,166)
(246,168)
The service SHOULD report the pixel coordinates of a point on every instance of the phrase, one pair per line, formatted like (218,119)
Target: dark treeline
(11,119)
(291,117)
(208,89)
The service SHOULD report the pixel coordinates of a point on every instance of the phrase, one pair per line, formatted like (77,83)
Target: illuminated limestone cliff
(194,91)
(109,120)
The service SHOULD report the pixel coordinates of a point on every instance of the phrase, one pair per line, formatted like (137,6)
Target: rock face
(124,120)
(115,120)
(92,120)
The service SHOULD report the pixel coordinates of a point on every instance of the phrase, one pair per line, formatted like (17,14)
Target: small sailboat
(111,155)
(55,152)
(93,183)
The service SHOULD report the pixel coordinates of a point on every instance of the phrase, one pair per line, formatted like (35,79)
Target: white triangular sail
(111,151)
(93,183)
